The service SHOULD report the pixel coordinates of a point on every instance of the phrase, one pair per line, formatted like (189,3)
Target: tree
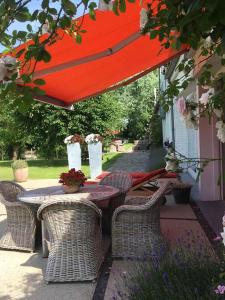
(50,125)
(44,127)
(14,128)
(139,100)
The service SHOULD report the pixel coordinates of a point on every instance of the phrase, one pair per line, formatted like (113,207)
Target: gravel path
(139,161)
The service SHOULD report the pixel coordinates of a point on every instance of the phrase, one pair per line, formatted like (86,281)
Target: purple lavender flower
(220,289)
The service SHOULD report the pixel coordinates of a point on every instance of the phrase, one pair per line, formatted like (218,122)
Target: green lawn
(128,146)
(51,169)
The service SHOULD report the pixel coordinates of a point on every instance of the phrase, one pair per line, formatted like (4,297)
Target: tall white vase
(74,156)
(95,159)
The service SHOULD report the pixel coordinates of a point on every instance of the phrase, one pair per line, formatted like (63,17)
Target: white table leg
(45,251)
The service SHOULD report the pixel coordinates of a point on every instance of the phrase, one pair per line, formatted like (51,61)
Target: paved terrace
(21,274)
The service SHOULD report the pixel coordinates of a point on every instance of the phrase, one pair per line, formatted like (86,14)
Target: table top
(96,193)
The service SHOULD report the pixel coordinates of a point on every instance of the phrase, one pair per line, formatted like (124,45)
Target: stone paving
(139,161)
(21,274)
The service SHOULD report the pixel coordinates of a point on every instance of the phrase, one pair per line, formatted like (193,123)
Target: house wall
(197,143)
(209,147)
(167,127)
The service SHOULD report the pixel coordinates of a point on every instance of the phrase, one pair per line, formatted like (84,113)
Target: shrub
(19,164)
(178,275)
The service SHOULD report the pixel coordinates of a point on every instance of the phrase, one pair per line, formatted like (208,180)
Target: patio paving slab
(176,211)
(21,277)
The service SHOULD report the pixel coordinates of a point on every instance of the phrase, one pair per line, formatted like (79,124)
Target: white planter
(74,156)
(95,159)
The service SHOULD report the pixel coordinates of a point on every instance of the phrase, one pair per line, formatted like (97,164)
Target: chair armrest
(136,200)
(127,208)
(150,202)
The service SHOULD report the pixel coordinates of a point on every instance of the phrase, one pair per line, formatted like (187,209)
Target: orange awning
(112,53)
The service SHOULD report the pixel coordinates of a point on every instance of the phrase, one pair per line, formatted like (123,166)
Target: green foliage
(199,24)
(14,129)
(155,130)
(44,127)
(139,100)
(19,164)
(194,20)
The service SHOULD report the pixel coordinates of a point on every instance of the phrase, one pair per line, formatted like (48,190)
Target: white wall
(167,127)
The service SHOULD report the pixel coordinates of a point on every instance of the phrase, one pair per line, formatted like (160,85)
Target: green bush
(19,164)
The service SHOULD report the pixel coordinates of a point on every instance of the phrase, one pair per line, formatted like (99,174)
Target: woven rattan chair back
(136,228)
(123,181)
(74,229)
(9,191)
(21,219)
(119,179)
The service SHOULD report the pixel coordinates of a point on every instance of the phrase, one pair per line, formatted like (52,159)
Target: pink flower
(204,98)
(181,106)
(224,221)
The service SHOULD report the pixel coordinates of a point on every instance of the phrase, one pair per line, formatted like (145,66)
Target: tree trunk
(15,152)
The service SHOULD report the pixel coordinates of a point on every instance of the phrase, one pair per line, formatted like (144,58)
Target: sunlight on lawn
(51,169)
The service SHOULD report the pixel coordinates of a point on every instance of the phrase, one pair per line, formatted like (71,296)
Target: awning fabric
(112,53)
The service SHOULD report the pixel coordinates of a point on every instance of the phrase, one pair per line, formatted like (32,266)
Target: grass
(128,146)
(50,169)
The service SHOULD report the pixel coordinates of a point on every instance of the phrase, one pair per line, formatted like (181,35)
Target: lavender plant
(190,272)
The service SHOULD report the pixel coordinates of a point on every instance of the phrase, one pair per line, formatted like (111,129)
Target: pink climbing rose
(181,106)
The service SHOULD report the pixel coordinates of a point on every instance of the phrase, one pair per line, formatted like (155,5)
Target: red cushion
(90,182)
(139,177)
(102,175)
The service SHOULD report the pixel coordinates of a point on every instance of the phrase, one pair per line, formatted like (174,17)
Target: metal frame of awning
(58,102)
(73,63)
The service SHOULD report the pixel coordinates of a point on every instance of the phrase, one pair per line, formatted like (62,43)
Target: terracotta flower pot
(20,175)
(69,189)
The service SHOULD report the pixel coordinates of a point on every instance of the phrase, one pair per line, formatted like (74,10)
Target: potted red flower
(72,180)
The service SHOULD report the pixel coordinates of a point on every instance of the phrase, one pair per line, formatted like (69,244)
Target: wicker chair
(136,228)
(122,181)
(21,219)
(74,229)
(119,179)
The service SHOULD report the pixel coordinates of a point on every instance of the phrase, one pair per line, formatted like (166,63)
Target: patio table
(101,195)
